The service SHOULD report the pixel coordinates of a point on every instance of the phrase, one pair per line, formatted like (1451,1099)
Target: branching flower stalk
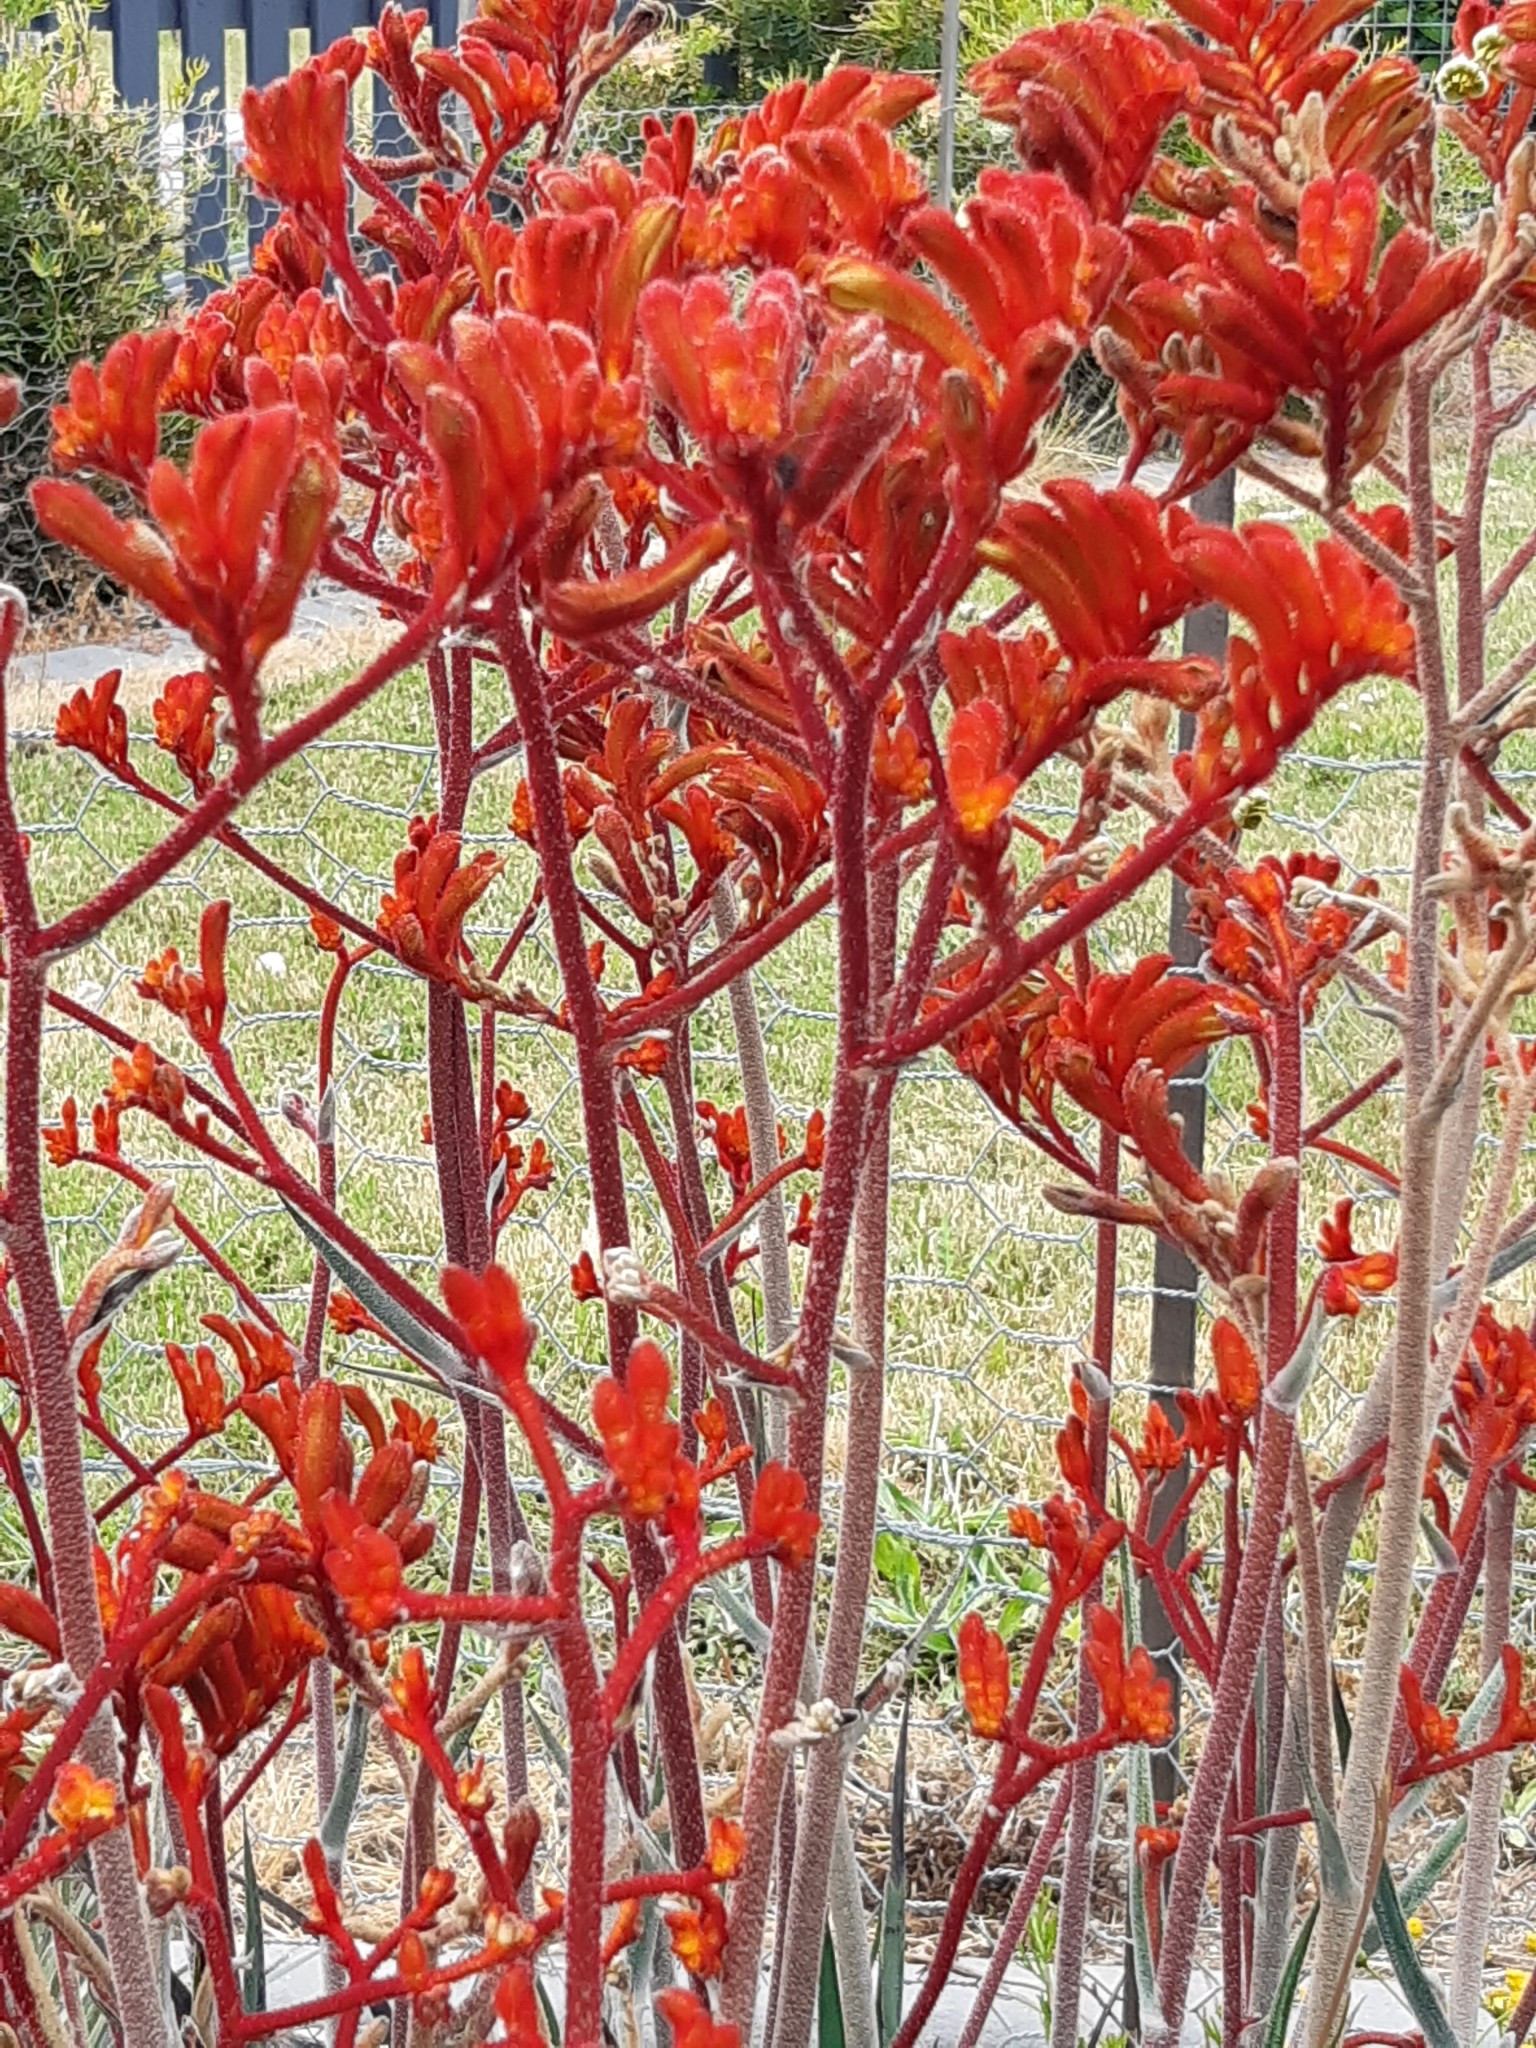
(702,456)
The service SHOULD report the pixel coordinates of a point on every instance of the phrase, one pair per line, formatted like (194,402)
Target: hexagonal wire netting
(990,1291)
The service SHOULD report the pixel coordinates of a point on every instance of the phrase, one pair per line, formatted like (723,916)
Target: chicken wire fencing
(990,1293)
(989,1301)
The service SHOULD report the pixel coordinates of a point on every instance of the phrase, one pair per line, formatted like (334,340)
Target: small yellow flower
(1502,2002)
(1415,1927)
(1530,1944)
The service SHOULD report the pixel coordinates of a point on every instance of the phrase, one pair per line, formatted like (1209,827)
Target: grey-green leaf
(1422,1997)
(551,1741)
(893,1903)
(1288,1387)
(1416,1889)
(1447,1557)
(829,2000)
(1142,1812)
(255,1986)
(547,2007)
(1290,1980)
(433,1351)
(1339,1881)
(337,1821)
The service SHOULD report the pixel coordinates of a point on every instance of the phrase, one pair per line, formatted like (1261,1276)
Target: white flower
(1461,78)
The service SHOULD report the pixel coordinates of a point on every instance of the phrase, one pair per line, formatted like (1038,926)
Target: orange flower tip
(727,1846)
(692,2024)
(699,1935)
(780,1518)
(981,787)
(80,1799)
(1237,1370)
(581,610)
(985,1681)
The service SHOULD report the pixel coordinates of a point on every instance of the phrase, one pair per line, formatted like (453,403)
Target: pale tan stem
(1398,1534)
(1480,1859)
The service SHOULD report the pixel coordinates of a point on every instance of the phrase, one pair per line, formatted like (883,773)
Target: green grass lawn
(989,1296)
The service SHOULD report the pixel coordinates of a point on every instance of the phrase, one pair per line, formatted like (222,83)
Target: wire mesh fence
(990,1291)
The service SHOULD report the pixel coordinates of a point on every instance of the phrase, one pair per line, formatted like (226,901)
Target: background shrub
(84,229)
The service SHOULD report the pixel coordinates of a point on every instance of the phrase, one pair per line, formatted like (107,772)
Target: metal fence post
(135,30)
(1174,1279)
(949,93)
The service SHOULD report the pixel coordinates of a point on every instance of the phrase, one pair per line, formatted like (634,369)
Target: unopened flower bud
(605,874)
(624,1278)
(296,1112)
(504,1930)
(1095,1383)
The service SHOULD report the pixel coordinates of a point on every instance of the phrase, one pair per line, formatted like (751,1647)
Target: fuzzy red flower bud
(985,1681)
(1434,1734)
(489,1313)
(23,1614)
(1137,1704)
(780,1517)
(1237,1371)
(111,421)
(639,1441)
(317,1456)
(295,133)
(94,722)
(691,2023)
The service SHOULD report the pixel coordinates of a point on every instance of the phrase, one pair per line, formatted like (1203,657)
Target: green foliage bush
(83,231)
(741,49)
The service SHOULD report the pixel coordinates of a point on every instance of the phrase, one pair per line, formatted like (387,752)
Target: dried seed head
(819,1722)
(42,1685)
(526,1570)
(164,1890)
